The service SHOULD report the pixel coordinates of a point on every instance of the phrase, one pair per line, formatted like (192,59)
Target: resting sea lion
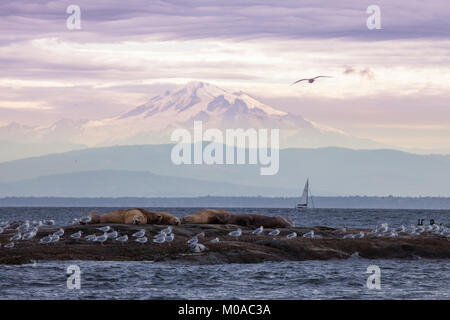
(124,216)
(160,217)
(208,216)
(257,220)
(217,216)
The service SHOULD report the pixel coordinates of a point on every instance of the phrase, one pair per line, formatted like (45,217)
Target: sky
(390,84)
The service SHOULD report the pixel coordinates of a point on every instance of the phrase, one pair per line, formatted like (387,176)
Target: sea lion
(208,216)
(257,220)
(160,217)
(218,216)
(124,216)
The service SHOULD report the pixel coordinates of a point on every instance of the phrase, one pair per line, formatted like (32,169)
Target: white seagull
(160,239)
(15,237)
(59,233)
(258,231)
(292,235)
(274,232)
(141,239)
(122,239)
(310,80)
(46,239)
(139,234)
(236,233)
(170,237)
(102,238)
(309,234)
(104,229)
(112,235)
(167,230)
(76,235)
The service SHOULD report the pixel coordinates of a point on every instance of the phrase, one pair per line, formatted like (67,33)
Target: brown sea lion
(218,216)
(124,216)
(257,220)
(160,217)
(208,216)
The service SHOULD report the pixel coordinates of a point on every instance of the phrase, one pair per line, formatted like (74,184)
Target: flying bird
(310,80)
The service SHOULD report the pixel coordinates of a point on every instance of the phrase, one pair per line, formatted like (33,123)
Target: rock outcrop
(328,243)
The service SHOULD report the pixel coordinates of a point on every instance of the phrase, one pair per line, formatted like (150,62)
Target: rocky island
(325,243)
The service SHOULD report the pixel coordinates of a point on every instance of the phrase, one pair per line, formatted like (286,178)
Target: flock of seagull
(28,230)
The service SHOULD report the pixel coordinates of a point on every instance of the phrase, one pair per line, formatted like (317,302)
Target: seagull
(348,236)
(139,234)
(23,227)
(122,239)
(91,237)
(46,239)
(236,233)
(76,235)
(15,237)
(198,247)
(9,245)
(310,80)
(75,221)
(55,238)
(112,235)
(104,229)
(258,231)
(274,232)
(309,234)
(49,222)
(160,239)
(141,239)
(102,238)
(292,235)
(170,238)
(215,240)
(59,233)
(86,219)
(383,228)
(359,235)
(29,235)
(167,230)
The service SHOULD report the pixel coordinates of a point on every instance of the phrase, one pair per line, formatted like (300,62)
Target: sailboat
(303,204)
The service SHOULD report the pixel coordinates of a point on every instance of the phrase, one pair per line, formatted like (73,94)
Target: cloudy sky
(390,84)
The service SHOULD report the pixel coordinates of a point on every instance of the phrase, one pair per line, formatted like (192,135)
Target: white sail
(304,198)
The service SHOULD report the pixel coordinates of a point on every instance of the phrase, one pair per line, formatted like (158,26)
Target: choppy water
(333,279)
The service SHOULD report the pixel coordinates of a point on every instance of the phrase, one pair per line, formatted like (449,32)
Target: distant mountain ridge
(332,172)
(154,121)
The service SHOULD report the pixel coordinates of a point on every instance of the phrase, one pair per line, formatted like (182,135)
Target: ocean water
(332,279)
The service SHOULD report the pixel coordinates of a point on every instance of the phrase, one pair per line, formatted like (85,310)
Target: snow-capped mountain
(154,121)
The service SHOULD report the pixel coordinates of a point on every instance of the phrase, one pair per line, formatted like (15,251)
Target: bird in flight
(310,80)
